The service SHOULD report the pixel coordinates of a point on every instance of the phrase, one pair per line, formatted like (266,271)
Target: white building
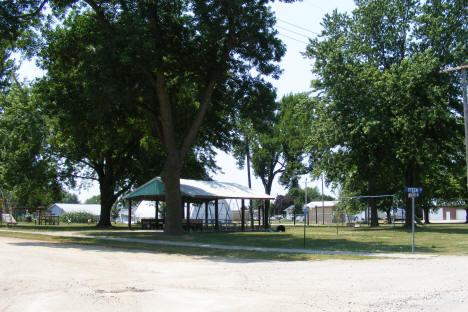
(58,209)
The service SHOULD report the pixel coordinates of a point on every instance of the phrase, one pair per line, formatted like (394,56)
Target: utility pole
(305,200)
(323,204)
(463,69)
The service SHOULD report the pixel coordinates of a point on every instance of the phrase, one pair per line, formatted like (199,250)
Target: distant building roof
(326,203)
(90,208)
(197,189)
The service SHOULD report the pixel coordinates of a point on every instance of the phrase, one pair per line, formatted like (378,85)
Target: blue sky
(296,23)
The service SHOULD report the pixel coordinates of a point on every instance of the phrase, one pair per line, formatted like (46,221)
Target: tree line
(135,89)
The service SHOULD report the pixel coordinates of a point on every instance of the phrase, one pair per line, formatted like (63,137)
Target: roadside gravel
(45,276)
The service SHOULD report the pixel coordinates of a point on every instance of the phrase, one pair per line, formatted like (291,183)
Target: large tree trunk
(374,216)
(107,200)
(426,215)
(373,206)
(171,179)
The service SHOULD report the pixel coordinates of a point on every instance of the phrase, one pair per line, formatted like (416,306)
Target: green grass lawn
(433,238)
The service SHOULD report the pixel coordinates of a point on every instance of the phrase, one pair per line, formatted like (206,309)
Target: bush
(77,217)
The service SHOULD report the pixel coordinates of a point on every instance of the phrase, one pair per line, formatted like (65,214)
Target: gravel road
(43,276)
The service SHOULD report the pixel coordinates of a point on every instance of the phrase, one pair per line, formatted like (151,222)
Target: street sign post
(413,192)
(305,217)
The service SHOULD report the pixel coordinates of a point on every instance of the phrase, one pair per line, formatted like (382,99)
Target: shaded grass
(190,251)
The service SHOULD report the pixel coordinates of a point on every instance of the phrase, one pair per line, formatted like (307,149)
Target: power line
(292,31)
(298,27)
(292,38)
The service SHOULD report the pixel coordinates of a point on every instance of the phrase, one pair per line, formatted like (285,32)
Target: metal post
(216,216)
(304,230)
(465,110)
(413,195)
(251,215)
(206,214)
(129,213)
(259,216)
(188,216)
(242,216)
(305,202)
(323,204)
(266,214)
(463,68)
(316,215)
(157,214)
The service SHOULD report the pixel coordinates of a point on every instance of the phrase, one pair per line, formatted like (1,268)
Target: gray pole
(413,195)
(305,192)
(465,111)
(323,205)
(463,68)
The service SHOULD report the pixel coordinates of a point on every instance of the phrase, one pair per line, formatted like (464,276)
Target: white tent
(146,209)
(224,211)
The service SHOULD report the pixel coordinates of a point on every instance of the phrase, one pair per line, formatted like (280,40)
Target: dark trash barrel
(280,228)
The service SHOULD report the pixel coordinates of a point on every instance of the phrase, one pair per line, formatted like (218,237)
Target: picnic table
(152,224)
(48,219)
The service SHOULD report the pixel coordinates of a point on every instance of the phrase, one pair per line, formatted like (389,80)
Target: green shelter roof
(196,190)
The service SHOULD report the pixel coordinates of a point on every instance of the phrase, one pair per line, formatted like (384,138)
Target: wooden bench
(192,225)
(48,219)
(151,224)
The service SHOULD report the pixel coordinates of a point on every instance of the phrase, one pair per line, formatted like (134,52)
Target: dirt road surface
(43,276)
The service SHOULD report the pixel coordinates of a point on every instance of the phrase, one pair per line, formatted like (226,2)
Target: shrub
(77,217)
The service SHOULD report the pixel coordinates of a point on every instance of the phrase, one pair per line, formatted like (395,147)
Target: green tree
(27,172)
(188,55)
(96,199)
(96,132)
(69,198)
(388,119)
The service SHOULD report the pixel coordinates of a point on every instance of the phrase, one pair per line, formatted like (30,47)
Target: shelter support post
(188,216)
(266,214)
(259,216)
(129,213)
(216,216)
(242,216)
(206,214)
(251,215)
(157,214)
(323,214)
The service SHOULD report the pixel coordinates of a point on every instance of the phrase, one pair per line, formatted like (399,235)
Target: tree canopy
(387,118)
(182,60)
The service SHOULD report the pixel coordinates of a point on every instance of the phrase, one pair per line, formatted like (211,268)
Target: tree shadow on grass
(438,228)
(276,240)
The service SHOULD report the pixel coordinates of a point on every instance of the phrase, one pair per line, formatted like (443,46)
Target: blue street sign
(416,190)
(305,211)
